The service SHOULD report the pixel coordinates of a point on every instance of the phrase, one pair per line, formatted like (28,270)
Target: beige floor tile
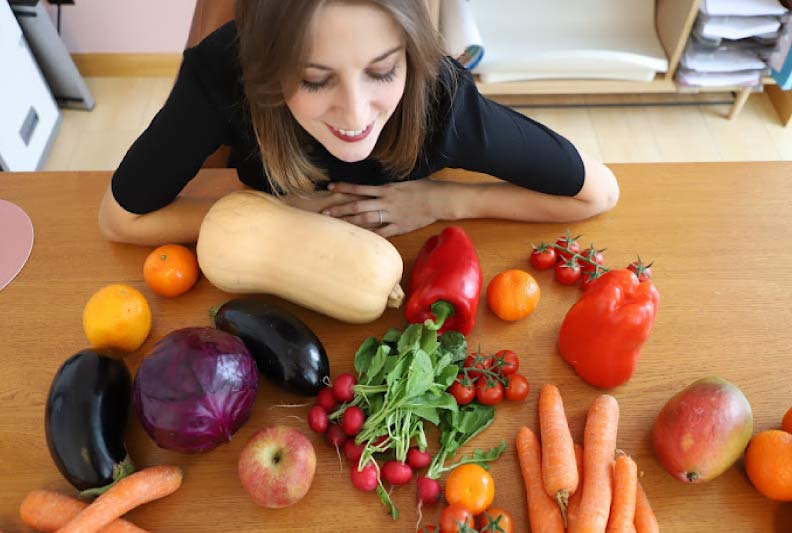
(681,132)
(780,135)
(745,138)
(65,145)
(625,134)
(120,103)
(102,150)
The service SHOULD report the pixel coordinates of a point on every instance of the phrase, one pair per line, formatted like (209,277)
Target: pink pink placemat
(16,241)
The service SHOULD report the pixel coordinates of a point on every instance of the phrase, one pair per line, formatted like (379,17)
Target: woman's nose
(353,106)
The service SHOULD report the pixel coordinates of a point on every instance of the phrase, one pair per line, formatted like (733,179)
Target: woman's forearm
(178,222)
(600,193)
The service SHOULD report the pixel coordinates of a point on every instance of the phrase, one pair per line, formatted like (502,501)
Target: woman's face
(353,79)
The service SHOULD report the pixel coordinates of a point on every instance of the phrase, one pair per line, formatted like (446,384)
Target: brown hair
(272,37)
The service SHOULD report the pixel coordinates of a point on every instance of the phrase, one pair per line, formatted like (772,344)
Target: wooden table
(719,236)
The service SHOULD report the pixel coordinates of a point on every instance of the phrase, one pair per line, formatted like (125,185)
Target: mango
(702,430)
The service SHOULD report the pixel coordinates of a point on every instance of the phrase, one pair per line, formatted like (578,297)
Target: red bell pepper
(602,334)
(445,283)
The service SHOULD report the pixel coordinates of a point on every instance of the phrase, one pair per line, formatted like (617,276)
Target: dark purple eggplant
(86,417)
(285,349)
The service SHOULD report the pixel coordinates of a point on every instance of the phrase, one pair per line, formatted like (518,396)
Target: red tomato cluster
(572,265)
(456,518)
(490,378)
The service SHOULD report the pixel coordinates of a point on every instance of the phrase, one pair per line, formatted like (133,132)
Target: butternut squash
(251,242)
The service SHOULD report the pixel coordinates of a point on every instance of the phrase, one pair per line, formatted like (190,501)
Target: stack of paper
(745,8)
(732,42)
(536,39)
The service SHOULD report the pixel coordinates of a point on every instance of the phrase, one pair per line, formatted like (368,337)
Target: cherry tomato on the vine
(454,516)
(587,278)
(489,392)
(592,254)
(570,243)
(463,394)
(495,520)
(567,273)
(543,257)
(641,270)
(477,361)
(507,362)
(517,388)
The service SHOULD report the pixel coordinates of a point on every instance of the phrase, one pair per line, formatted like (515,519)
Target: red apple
(702,430)
(277,466)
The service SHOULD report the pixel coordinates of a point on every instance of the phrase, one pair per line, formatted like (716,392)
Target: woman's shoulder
(455,93)
(220,42)
(215,61)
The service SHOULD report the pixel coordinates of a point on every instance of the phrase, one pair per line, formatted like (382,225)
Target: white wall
(125,26)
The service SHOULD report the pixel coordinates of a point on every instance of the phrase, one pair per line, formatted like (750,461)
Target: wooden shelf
(673,20)
(574,86)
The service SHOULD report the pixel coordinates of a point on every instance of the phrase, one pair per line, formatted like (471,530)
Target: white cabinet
(29,116)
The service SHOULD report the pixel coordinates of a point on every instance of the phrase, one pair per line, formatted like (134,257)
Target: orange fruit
(513,294)
(786,423)
(768,462)
(472,486)
(171,270)
(117,317)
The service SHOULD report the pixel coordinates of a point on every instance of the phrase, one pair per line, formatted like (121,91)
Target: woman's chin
(351,156)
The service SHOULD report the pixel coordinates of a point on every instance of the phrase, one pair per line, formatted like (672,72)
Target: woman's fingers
(360,190)
(369,219)
(354,208)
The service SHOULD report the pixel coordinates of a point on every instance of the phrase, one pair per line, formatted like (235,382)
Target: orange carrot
(46,510)
(136,489)
(559,473)
(645,520)
(625,481)
(599,445)
(543,512)
(574,500)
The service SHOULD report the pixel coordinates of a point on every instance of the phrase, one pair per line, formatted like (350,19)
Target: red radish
(342,388)
(326,400)
(317,419)
(366,479)
(428,491)
(353,451)
(335,436)
(379,441)
(396,473)
(418,459)
(352,420)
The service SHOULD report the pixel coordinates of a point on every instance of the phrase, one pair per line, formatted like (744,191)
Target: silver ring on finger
(381,221)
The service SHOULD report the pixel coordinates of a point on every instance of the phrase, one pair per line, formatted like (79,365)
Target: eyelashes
(314,86)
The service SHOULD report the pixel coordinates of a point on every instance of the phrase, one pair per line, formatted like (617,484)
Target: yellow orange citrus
(768,462)
(117,317)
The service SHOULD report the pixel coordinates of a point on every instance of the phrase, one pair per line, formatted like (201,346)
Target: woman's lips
(351,136)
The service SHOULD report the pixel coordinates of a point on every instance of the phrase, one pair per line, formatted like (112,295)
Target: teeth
(350,133)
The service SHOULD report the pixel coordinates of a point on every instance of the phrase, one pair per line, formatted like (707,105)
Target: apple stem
(691,476)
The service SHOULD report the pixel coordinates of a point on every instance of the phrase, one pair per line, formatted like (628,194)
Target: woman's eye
(383,77)
(313,86)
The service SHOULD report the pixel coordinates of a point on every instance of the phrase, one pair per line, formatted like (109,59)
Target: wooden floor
(639,131)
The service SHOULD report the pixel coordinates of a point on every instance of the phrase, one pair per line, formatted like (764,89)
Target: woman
(343,107)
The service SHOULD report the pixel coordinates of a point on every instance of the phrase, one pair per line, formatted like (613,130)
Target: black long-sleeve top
(206,109)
